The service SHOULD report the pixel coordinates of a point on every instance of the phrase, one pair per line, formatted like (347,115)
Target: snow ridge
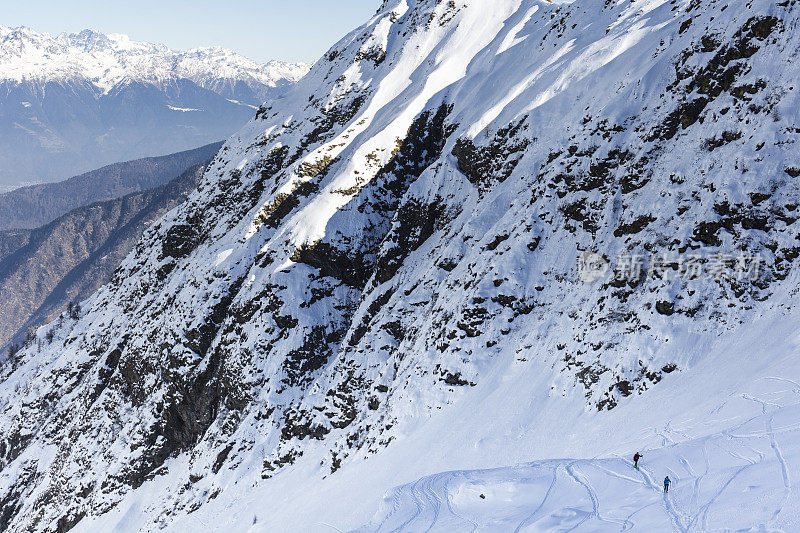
(108,60)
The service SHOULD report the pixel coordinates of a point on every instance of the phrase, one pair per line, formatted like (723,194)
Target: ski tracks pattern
(609,494)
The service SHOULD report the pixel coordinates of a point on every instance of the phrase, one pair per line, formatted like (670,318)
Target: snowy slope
(75,102)
(732,463)
(706,429)
(377,280)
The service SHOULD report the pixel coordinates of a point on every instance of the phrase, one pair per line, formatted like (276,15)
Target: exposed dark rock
(352,271)
(416,222)
(493,163)
(181,241)
(634,227)
(665,308)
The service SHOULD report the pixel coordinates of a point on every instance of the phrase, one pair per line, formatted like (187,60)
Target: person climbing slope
(666,484)
(636,458)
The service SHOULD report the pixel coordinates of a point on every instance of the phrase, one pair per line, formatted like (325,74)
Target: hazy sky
(261,29)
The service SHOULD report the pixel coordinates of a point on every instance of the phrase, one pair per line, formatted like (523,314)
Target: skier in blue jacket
(666,484)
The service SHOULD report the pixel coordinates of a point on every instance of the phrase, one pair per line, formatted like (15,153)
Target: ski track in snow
(609,494)
(530,518)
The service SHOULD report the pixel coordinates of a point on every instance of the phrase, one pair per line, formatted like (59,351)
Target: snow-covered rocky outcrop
(378,279)
(74,102)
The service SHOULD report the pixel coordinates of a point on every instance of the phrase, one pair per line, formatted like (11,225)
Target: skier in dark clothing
(636,458)
(666,484)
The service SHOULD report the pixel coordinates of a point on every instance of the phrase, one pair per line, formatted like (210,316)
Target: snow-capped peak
(105,60)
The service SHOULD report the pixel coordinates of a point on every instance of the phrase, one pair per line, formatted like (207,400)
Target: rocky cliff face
(405,224)
(76,102)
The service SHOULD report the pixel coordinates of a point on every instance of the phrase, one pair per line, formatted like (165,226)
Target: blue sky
(261,29)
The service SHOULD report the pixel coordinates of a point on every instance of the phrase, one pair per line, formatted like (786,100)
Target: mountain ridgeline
(37,205)
(402,228)
(76,102)
(67,238)
(68,259)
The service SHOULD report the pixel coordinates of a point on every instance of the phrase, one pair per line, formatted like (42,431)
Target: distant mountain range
(88,225)
(76,102)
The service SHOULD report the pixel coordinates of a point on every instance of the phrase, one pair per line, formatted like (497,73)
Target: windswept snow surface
(727,434)
(738,479)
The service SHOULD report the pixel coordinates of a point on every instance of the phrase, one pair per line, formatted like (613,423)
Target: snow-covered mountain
(384,277)
(74,102)
(108,60)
